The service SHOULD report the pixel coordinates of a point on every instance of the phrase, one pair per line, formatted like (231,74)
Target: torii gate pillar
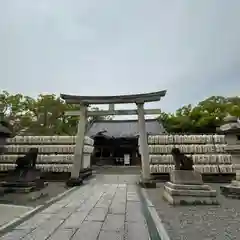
(143,142)
(79,147)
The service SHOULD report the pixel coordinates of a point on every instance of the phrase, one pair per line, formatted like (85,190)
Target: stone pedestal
(187,188)
(231,129)
(232,190)
(23,181)
(72,182)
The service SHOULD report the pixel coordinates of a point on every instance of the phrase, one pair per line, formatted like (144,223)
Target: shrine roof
(132,98)
(123,128)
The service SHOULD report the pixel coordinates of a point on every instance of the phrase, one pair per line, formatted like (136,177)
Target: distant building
(115,138)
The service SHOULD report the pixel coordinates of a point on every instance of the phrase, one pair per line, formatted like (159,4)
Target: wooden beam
(115,112)
(132,98)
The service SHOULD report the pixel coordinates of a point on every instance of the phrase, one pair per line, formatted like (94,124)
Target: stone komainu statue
(29,160)
(181,161)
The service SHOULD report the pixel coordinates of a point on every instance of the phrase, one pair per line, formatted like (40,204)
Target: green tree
(43,115)
(205,117)
(13,111)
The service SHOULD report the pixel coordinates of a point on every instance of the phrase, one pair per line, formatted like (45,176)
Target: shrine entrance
(111,151)
(116,141)
(85,101)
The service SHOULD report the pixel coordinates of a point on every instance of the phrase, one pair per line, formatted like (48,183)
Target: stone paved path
(95,211)
(9,212)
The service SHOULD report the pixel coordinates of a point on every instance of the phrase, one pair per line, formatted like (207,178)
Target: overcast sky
(107,47)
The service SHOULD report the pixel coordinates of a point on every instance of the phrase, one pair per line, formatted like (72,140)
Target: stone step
(190,192)
(231,189)
(17,184)
(18,189)
(187,187)
(15,188)
(189,200)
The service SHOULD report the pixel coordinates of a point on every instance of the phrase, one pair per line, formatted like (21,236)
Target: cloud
(190,48)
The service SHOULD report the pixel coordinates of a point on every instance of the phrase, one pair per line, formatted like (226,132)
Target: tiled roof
(123,128)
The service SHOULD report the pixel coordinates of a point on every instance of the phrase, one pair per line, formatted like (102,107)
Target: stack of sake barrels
(55,152)
(207,152)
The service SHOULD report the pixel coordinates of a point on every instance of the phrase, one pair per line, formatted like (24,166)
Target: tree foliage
(44,115)
(41,116)
(205,117)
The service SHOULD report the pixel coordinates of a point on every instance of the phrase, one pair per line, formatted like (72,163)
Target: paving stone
(109,196)
(44,230)
(86,207)
(114,223)
(134,212)
(131,188)
(62,234)
(75,220)
(34,221)
(103,203)
(111,236)
(136,231)
(75,204)
(64,213)
(135,217)
(134,206)
(133,196)
(53,208)
(119,208)
(14,235)
(88,231)
(97,214)
(119,199)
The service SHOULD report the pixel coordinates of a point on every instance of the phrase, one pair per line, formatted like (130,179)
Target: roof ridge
(120,128)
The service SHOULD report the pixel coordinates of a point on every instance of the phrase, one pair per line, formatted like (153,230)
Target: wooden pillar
(143,142)
(78,154)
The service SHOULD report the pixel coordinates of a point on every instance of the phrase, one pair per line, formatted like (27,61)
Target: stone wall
(207,151)
(55,152)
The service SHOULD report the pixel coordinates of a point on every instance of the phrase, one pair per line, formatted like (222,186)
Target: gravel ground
(199,222)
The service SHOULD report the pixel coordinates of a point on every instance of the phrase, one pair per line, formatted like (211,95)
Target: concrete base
(232,190)
(72,182)
(187,188)
(183,194)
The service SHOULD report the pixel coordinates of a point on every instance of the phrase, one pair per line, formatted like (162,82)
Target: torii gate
(85,101)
